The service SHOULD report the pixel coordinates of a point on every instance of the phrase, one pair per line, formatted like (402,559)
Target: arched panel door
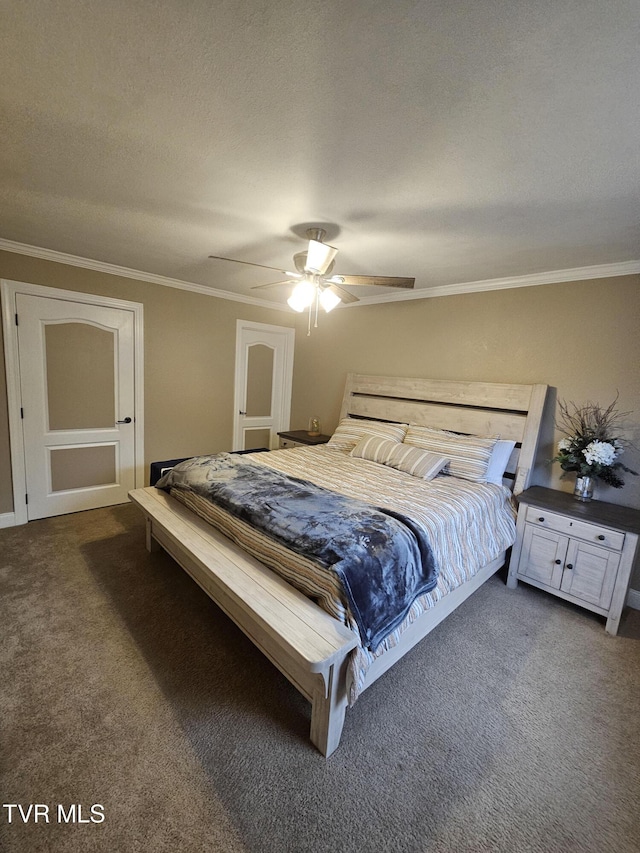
(77,391)
(264,371)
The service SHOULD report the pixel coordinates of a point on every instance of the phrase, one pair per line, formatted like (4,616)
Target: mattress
(468,525)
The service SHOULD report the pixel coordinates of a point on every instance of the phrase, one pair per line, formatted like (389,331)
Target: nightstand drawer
(594,533)
(287,443)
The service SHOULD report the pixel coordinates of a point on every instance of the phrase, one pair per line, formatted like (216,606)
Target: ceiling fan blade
(344,295)
(382,280)
(274,284)
(251,264)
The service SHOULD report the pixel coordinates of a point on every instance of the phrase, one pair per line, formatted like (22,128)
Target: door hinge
(16,319)
(26,499)
(21,412)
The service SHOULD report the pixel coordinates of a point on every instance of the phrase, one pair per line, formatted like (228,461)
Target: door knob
(125,421)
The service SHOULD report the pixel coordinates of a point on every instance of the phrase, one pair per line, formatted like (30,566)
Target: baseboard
(633,599)
(7,519)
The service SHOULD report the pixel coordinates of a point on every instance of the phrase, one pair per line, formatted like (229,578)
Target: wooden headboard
(474,408)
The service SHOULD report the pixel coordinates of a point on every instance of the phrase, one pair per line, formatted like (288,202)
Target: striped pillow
(402,457)
(374,448)
(469,455)
(350,430)
(417,462)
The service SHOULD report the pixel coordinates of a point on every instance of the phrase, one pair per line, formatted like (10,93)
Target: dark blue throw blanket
(382,558)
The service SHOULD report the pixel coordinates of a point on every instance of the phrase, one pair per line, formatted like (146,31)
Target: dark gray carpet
(512,727)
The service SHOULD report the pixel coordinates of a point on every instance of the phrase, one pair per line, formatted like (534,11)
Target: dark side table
(300,438)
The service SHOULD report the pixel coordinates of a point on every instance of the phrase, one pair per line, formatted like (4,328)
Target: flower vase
(583,490)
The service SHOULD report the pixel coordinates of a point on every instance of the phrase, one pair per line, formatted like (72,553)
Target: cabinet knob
(557,562)
(601,537)
(541,518)
(569,566)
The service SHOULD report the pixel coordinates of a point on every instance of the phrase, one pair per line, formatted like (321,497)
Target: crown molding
(140,275)
(530,280)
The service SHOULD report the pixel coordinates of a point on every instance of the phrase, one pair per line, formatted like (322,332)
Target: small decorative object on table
(591,447)
(314,426)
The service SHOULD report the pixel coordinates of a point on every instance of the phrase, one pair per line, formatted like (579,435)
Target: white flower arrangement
(591,447)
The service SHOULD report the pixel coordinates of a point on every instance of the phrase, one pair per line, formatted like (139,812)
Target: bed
(318,648)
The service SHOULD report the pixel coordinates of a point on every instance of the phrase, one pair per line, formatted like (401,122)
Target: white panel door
(264,371)
(77,396)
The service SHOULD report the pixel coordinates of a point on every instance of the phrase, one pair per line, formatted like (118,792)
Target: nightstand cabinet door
(592,576)
(543,555)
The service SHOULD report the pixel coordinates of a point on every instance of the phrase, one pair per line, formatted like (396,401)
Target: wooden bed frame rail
(309,646)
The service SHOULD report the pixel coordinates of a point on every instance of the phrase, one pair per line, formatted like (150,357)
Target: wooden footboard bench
(307,645)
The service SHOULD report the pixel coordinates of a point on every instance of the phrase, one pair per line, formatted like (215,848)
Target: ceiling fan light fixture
(302,296)
(329,300)
(319,257)
(314,286)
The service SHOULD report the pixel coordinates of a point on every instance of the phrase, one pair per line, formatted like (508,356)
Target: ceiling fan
(314,286)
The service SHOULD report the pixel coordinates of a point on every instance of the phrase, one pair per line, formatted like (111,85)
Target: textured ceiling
(453,141)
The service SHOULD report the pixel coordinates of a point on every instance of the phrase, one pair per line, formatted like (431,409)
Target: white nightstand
(582,552)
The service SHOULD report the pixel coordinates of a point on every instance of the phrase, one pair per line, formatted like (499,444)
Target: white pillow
(468,454)
(351,430)
(402,457)
(500,456)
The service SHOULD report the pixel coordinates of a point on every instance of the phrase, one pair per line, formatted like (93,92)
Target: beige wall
(581,338)
(189,353)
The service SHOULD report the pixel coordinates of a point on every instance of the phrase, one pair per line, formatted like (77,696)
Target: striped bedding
(468,525)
